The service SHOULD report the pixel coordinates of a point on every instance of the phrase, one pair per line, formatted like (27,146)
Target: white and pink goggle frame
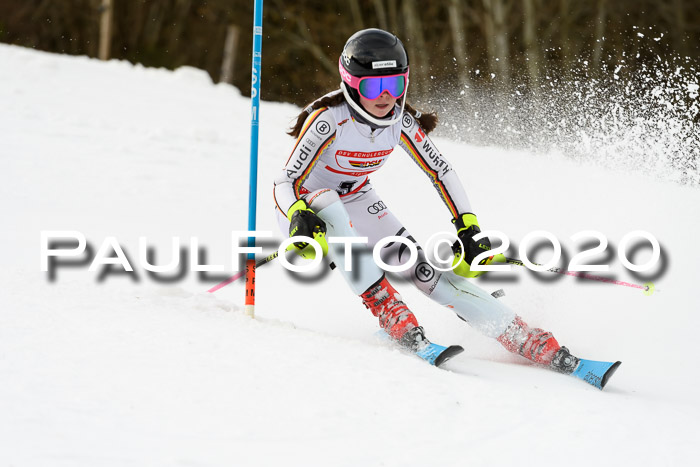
(371,87)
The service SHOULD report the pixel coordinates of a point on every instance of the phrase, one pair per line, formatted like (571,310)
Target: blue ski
(437,355)
(432,353)
(595,373)
(590,371)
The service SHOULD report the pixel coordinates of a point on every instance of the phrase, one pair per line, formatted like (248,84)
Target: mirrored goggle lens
(371,88)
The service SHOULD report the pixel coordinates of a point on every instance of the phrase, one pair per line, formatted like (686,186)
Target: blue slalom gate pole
(254,127)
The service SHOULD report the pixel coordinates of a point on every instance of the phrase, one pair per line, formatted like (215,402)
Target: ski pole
(259,263)
(240,274)
(647,288)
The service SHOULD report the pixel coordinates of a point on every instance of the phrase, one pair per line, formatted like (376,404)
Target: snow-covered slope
(132,371)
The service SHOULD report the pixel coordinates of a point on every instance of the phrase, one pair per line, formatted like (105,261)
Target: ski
(590,371)
(437,354)
(595,373)
(432,353)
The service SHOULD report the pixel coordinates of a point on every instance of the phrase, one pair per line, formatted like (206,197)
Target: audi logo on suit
(376,208)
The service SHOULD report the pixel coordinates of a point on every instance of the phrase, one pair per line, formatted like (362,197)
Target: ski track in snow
(135,372)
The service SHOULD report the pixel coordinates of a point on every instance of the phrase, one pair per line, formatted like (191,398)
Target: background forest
(518,41)
(506,71)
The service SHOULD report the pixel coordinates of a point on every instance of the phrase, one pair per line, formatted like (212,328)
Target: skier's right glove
(467,227)
(303,221)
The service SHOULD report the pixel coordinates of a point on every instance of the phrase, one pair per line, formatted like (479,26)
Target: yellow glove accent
(303,249)
(465,221)
(297,206)
(308,252)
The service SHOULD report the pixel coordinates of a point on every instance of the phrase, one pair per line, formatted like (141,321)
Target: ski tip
(609,373)
(447,354)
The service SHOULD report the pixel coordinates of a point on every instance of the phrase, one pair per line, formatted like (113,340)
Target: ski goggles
(371,87)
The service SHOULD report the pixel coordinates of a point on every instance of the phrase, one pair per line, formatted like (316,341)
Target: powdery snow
(136,372)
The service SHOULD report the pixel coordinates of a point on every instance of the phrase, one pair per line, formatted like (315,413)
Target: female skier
(324,188)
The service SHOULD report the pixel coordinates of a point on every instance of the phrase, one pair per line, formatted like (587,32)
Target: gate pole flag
(254,126)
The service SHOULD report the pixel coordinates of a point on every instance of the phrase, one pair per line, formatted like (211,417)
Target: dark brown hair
(427,121)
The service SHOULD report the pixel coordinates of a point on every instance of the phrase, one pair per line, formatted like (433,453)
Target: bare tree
(459,42)
(496,37)
(679,27)
(415,42)
(393,14)
(565,34)
(156,18)
(136,17)
(380,11)
(181,12)
(356,14)
(230,48)
(532,54)
(601,13)
(302,39)
(105,29)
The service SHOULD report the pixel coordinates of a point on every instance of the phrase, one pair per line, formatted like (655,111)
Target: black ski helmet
(372,52)
(374,46)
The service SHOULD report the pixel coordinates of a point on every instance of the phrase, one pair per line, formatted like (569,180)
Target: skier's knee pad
(472,304)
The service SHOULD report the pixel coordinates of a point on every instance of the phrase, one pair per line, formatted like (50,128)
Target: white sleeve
(424,153)
(316,136)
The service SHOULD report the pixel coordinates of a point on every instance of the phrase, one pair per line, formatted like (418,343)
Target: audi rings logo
(376,208)
(323,127)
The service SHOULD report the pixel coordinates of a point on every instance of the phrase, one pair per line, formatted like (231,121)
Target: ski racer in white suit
(324,188)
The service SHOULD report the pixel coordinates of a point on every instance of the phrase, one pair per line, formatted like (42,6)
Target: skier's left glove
(467,227)
(303,221)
